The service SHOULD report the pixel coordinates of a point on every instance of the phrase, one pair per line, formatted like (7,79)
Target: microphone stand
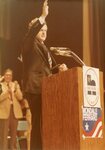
(77,58)
(69,53)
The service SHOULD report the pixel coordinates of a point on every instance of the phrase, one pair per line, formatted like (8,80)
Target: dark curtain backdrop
(97,34)
(97,23)
(64,28)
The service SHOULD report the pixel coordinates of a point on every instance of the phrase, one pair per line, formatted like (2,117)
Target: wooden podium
(62,101)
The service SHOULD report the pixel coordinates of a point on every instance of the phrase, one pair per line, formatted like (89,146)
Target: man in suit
(37,63)
(10,110)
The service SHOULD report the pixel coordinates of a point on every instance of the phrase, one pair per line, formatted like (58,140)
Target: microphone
(55,49)
(64,51)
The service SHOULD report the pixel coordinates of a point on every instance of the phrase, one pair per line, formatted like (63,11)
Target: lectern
(62,102)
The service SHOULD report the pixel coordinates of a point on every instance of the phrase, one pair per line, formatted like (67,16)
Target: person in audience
(10,109)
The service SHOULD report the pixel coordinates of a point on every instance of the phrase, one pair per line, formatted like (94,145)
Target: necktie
(10,91)
(49,60)
(48,55)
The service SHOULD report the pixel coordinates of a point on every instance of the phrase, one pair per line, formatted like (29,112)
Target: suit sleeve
(4,95)
(30,36)
(18,93)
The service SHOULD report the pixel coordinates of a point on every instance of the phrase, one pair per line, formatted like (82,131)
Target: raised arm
(45,11)
(34,27)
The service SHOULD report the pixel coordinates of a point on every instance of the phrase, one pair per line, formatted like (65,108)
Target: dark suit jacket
(35,61)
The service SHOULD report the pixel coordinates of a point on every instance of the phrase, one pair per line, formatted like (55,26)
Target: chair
(25,125)
(22,133)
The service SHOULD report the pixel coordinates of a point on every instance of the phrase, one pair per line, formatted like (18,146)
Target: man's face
(8,76)
(41,36)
